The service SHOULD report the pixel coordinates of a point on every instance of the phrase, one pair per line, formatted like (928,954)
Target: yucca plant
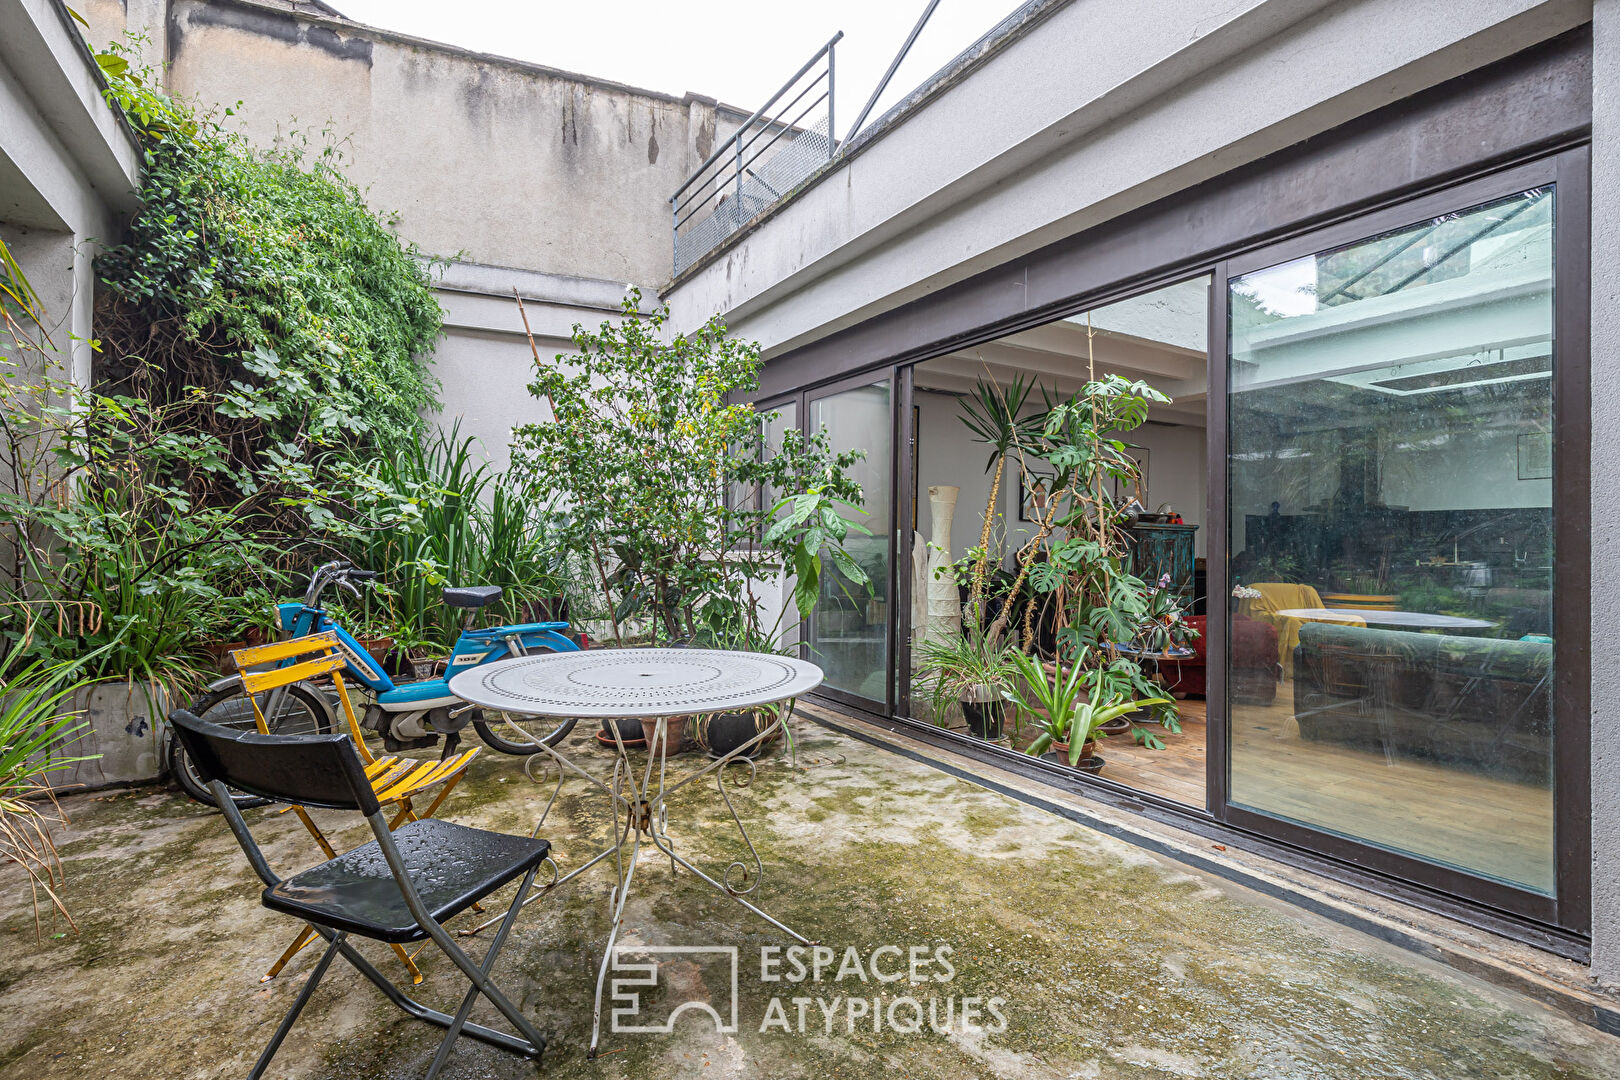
(36,723)
(991,414)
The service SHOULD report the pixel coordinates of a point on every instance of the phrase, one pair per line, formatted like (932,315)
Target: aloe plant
(1066,706)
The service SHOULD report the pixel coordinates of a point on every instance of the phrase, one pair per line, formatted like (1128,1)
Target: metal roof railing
(770,153)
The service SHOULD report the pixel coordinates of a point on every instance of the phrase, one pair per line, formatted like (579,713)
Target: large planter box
(125,728)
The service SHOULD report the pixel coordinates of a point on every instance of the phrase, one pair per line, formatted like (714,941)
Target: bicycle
(407,716)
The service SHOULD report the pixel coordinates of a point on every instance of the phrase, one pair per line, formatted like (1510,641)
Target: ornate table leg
(643,815)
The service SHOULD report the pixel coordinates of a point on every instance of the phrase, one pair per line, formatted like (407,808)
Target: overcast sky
(739,51)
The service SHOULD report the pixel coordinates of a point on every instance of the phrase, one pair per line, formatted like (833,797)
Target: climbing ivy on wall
(257,289)
(262,341)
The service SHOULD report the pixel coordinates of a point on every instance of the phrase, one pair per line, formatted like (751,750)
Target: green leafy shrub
(262,340)
(36,721)
(673,494)
(459,522)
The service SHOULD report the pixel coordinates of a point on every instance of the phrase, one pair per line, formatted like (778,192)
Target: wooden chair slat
(283,650)
(255,682)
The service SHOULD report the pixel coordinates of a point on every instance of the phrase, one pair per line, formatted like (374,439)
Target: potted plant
(1069,711)
(1163,630)
(967,668)
(685,504)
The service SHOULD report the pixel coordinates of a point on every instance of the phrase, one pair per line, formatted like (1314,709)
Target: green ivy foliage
(263,339)
(258,287)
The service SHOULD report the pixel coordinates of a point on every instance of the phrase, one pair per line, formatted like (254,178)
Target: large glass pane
(1392,544)
(849,628)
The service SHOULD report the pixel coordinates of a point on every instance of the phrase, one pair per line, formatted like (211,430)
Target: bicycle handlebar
(340,572)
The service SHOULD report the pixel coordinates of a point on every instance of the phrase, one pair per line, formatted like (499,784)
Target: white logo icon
(641,977)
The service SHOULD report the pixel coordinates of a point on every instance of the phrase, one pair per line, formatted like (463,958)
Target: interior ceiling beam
(1005,364)
(1068,340)
(953,378)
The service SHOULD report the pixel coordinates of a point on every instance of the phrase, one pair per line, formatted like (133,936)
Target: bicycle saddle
(474,596)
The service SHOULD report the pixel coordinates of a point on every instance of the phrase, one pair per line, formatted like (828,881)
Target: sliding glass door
(1391,549)
(849,631)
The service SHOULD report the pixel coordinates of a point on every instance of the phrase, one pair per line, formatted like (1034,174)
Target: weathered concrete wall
(67,164)
(500,162)
(484,360)
(531,178)
(1605,490)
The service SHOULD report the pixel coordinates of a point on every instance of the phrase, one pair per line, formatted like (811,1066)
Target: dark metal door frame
(1532,107)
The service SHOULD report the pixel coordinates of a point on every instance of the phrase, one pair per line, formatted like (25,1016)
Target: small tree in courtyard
(672,494)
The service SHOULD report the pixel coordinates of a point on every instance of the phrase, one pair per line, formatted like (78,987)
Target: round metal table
(1414,620)
(650,685)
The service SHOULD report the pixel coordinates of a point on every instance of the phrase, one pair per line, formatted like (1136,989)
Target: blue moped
(407,716)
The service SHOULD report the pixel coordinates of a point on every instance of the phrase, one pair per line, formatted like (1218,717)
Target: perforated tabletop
(611,683)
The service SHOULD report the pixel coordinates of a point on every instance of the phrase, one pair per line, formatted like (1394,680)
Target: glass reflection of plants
(1073,572)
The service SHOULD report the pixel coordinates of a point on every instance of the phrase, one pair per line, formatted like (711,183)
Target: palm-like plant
(992,415)
(1069,711)
(35,722)
(965,667)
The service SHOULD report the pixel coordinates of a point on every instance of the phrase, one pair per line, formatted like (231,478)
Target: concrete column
(1605,491)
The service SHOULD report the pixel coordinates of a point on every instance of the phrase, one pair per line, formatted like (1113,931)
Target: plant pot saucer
(1092,764)
(1119,725)
(607,740)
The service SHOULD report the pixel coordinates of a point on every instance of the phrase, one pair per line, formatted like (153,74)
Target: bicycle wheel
(299,711)
(518,735)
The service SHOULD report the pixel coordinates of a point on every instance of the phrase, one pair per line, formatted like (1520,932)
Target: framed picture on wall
(1035,488)
(1123,492)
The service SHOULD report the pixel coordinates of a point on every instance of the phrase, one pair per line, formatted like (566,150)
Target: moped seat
(474,596)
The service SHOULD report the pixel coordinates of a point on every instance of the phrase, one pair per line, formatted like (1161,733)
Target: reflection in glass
(1391,531)
(849,628)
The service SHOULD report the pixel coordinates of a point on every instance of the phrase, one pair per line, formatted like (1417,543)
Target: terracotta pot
(629,730)
(1088,752)
(1119,725)
(379,648)
(220,653)
(674,734)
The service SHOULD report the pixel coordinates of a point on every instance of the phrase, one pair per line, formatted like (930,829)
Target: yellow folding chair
(396,781)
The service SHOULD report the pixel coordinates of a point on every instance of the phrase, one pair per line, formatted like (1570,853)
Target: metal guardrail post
(883,83)
(738,144)
(832,97)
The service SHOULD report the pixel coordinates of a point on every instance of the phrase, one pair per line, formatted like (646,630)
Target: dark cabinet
(1157,550)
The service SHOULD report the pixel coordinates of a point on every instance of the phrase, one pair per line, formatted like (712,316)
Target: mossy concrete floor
(1112,962)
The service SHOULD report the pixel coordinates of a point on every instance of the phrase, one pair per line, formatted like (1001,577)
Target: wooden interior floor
(1499,828)
(1487,825)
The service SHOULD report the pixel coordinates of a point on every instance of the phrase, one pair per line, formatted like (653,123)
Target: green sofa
(1483,705)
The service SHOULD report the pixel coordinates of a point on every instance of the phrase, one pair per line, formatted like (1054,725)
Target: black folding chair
(399,888)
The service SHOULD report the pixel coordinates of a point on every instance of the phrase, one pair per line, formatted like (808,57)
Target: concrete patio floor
(1112,962)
